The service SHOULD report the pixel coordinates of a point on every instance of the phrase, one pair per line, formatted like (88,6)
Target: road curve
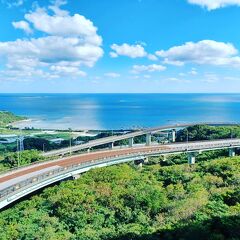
(111,139)
(18,183)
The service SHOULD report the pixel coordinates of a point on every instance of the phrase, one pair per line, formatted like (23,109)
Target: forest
(162,200)
(8,117)
(159,201)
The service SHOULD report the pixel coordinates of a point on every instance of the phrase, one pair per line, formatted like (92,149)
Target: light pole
(70,145)
(18,152)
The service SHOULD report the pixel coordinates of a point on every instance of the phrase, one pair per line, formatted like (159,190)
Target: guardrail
(110,139)
(65,172)
(7,192)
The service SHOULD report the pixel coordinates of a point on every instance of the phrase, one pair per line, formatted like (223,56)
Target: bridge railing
(15,188)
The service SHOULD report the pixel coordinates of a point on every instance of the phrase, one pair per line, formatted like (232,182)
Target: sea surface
(120,111)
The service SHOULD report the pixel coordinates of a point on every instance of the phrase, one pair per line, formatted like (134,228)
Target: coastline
(15,123)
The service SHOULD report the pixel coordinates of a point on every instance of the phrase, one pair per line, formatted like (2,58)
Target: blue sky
(120,46)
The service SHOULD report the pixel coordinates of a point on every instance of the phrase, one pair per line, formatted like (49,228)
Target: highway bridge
(20,182)
(130,136)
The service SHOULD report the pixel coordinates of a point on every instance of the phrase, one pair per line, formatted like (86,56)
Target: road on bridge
(7,179)
(20,182)
(112,139)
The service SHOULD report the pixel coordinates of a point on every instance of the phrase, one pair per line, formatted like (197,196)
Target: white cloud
(202,52)
(67,70)
(214,4)
(132,51)
(56,8)
(147,76)
(152,57)
(193,72)
(69,43)
(22,25)
(177,80)
(147,68)
(112,75)
(173,62)
(64,26)
(210,78)
(11,3)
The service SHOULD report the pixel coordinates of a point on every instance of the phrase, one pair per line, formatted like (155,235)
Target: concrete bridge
(20,182)
(130,137)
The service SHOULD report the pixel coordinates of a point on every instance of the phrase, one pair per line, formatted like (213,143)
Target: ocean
(120,111)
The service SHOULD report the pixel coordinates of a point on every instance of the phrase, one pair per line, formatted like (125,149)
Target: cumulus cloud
(202,52)
(152,57)
(22,25)
(132,51)
(69,42)
(112,75)
(67,70)
(214,4)
(11,3)
(147,68)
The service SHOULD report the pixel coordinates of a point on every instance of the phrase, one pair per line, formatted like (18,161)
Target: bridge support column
(192,158)
(88,150)
(173,135)
(146,160)
(111,145)
(164,158)
(148,139)
(232,152)
(77,176)
(130,142)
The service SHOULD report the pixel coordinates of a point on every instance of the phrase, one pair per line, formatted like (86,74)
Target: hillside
(122,202)
(8,117)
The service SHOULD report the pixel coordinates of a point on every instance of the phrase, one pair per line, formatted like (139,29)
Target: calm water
(117,111)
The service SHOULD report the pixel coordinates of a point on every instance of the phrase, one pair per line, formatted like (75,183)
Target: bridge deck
(87,157)
(111,139)
(18,183)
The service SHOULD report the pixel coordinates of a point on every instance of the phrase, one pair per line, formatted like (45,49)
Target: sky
(119,46)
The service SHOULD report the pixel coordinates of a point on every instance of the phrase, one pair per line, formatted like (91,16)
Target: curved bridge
(20,182)
(148,132)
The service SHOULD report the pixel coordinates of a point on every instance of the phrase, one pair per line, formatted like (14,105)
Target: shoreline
(73,130)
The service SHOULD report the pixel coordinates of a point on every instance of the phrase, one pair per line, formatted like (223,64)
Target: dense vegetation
(15,159)
(170,200)
(205,132)
(122,202)
(8,117)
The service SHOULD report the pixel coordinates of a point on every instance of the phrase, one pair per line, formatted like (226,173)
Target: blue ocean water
(120,111)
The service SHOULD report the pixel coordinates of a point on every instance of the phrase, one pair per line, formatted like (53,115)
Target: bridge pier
(75,177)
(146,160)
(173,135)
(192,158)
(148,139)
(232,152)
(130,142)
(111,145)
